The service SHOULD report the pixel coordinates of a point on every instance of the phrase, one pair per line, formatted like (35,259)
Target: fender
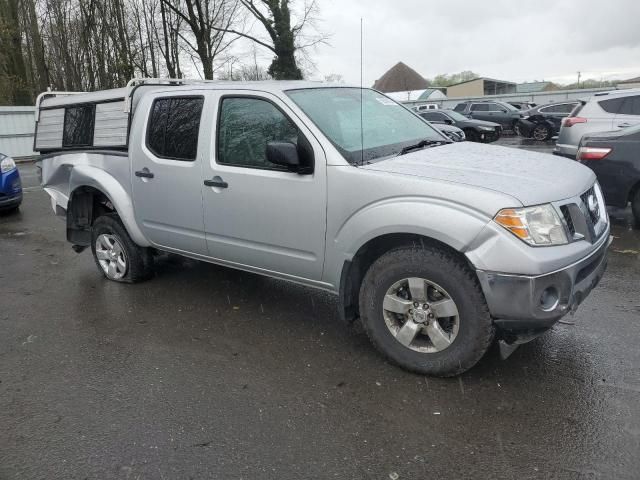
(89,176)
(451,223)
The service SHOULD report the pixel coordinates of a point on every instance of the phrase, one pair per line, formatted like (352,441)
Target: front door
(167,173)
(257,214)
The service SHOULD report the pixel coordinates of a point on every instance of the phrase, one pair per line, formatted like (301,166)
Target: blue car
(10,185)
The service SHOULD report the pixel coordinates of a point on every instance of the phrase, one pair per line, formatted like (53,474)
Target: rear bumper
(566,150)
(521,302)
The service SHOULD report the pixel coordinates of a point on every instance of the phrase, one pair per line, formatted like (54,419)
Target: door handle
(216,183)
(144,174)
(624,125)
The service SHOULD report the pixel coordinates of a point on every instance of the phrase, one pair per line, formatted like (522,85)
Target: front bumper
(522,302)
(7,203)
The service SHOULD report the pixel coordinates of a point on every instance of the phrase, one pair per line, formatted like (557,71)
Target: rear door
(167,177)
(257,214)
(480,111)
(629,114)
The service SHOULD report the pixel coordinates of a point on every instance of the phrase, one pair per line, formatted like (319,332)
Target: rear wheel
(541,133)
(635,206)
(116,255)
(424,309)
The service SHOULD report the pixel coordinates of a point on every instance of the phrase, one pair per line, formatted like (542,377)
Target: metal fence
(16,131)
(539,98)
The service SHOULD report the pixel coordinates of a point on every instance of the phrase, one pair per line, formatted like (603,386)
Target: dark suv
(491,111)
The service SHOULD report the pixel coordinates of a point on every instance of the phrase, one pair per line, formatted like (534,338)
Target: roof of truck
(119,93)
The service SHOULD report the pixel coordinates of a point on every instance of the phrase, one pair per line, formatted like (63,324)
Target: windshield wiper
(420,145)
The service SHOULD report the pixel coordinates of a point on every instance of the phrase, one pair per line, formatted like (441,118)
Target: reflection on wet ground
(206,372)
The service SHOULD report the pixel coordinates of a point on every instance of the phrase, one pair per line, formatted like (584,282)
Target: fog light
(549,299)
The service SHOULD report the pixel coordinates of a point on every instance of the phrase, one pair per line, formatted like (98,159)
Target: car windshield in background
(387,127)
(458,117)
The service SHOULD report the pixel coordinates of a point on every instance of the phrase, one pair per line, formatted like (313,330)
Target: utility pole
(578,79)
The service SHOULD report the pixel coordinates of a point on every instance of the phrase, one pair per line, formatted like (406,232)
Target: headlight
(538,226)
(7,164)
(486,129)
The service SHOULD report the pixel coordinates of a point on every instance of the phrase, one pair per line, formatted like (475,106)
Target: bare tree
(209,21)
(285,38)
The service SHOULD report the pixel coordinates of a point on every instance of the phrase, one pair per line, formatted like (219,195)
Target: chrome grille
(592,206)
(585,216)
(567,218)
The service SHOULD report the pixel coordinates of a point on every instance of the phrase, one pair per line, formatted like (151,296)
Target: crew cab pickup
(437,247)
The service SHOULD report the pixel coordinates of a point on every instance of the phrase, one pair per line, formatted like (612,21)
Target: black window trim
(92,127)
(254,167)
(146,135)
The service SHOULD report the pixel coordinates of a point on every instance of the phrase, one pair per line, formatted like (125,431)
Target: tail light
(571,121)
(592,153)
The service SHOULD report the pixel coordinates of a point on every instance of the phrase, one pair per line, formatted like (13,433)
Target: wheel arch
(354,270)
(92,192)
(635,188)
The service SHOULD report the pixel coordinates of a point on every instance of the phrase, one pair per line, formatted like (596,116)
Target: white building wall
(16,131)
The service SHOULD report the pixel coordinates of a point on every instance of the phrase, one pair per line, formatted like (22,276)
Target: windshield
(388,127)
(458,117)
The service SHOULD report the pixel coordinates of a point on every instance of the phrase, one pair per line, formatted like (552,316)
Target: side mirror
(448,121)
(284,154)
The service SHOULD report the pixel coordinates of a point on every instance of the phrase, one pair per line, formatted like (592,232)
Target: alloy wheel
(111,256)
(421,315)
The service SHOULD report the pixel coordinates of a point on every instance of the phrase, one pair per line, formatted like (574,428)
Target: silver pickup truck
(437,247)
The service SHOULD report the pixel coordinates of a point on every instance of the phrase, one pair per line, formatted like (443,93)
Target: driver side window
(245,126)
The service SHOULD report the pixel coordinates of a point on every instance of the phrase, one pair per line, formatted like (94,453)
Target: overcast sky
(504,39)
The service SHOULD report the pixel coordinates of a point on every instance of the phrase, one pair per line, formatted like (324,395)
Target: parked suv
(474,130)
(615,159)
(491,111)
(602,112)
(435,246)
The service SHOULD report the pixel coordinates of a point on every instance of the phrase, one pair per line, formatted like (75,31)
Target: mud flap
(507,347)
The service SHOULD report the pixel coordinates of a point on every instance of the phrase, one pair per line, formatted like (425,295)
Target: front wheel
(425,310)
(116,255)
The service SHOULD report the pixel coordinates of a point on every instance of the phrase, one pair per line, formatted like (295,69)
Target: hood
(478,123)
(532,178)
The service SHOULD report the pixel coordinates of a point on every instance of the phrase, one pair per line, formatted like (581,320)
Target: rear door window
(612,105)
(78,126)
(460,107)
(480,107)
(631,106)
(433,116)
(173,128)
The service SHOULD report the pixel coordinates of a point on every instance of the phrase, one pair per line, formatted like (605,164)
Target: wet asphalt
(206,372)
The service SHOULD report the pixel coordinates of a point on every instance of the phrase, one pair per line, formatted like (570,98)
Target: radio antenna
(361,106)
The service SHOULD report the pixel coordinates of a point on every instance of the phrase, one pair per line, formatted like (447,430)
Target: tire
(475,330)
(635,206)
(541,133)
(471,135)
(108,231)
